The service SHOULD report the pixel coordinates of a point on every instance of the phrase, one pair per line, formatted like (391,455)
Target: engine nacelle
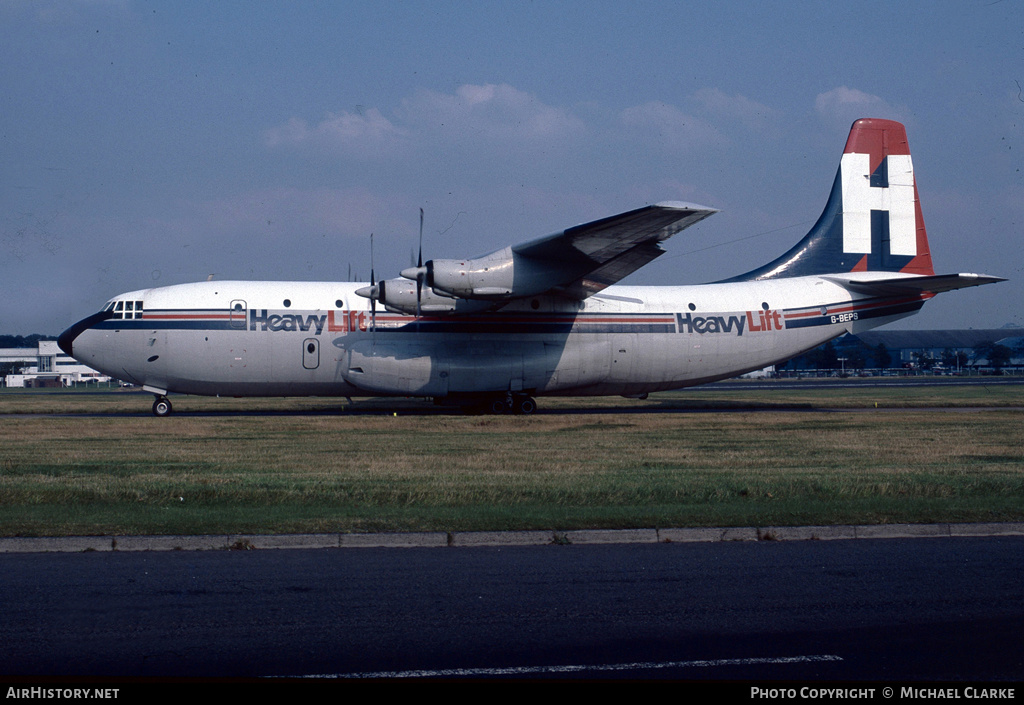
(500,275)
(399,296)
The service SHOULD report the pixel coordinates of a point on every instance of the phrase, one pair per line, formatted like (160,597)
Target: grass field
(100,464)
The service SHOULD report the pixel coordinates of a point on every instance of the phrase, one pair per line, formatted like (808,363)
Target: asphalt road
(939,609)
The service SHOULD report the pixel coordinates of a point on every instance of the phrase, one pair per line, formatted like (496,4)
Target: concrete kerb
(503,538)
(81,544)
(46,544)
(434,539)
(690,535)
(592,536)
(807,533)
(993,529)
(171,543)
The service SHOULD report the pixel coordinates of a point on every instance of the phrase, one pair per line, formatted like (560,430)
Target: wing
(603,252)
(574,263)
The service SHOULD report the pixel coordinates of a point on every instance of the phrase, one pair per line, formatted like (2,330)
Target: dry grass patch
(233,473)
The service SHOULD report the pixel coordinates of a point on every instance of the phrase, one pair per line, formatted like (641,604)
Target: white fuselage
(240,338)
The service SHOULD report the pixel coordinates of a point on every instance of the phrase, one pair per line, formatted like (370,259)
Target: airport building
(46,365)
(968,351)
(910,346)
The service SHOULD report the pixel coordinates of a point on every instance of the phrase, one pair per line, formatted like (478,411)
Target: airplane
(544,317)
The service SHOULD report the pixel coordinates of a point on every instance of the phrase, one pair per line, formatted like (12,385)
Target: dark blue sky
(153,143)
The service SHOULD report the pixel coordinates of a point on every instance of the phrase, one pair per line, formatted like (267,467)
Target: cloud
(846,104)
(669,126)
(753,115)
(491,112)
(364,134)
(474,116)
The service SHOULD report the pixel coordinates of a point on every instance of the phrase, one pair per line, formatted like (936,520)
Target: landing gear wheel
(525,405)
(162,407)
(498,405)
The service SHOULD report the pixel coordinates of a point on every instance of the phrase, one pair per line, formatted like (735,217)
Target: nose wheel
(162,407)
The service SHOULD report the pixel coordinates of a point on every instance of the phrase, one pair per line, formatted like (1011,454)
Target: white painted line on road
(542,670)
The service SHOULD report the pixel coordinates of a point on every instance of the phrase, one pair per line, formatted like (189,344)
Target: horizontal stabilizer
(889,286)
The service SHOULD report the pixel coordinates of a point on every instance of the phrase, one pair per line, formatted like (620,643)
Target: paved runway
(879,609)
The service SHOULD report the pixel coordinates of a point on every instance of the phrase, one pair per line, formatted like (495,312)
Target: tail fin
(872,221)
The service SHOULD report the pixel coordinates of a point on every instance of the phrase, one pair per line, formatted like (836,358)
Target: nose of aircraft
(66,340)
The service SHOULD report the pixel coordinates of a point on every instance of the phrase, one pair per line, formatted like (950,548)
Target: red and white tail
(881,211)
(872,220)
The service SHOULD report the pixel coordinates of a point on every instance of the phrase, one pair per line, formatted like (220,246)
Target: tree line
(23,341)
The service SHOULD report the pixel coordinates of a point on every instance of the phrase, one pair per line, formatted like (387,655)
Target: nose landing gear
(162,406)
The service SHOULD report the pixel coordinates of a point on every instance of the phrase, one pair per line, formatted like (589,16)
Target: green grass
(319,468)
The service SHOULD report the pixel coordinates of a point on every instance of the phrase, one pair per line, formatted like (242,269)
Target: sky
(146,144)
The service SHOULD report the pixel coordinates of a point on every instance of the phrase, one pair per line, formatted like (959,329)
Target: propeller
(419,272)
(373,292)
(376,293)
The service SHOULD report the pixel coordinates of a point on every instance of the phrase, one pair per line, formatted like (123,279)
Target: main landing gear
(162,406)
(511,404)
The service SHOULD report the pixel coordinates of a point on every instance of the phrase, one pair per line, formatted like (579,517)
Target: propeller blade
(419,275)
(419,261)
(373,284)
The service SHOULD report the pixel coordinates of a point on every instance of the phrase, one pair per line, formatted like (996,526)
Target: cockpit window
(125,309)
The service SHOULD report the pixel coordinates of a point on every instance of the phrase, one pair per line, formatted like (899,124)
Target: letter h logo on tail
(881,215)
(869,197)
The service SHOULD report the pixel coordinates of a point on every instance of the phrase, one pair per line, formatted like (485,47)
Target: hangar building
(45,366)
